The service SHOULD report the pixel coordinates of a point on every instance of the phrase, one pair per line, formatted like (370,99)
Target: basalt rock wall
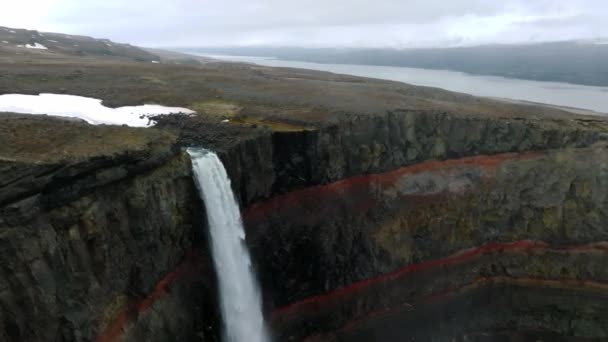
(361,201)
(364,226)
(278,162)
(100,243)
(370,243)
(112,247)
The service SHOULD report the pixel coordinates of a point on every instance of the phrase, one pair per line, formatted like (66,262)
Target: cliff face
(343,218)
(332,252)
(263,163)
(363,226)
(379,242)
(351,224)
(374,241)
(384,142)
(374,214)
(93,240)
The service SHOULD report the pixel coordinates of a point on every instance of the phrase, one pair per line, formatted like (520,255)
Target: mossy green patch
(552,218)
(111,310)
(43,139)
(277,126)
(216,108)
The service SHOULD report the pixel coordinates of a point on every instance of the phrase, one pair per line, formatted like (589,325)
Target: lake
(552,93)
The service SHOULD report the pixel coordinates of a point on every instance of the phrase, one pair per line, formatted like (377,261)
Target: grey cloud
(324,22)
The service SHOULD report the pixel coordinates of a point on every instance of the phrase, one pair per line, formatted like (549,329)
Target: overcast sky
(318,23)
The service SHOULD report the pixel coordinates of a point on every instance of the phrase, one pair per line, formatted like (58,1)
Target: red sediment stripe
(311,195)
(479,283)
(117,327)
(460,257)
(596,246)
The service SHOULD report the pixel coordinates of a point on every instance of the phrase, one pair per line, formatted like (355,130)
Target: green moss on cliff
(44,139)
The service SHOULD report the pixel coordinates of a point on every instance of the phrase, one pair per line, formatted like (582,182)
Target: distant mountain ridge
(578,62)
(31,41)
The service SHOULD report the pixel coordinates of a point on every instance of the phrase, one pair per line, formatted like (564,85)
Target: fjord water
(552,93)
(240,298)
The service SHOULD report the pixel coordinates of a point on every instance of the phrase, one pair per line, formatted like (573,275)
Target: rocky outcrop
(247,153)
(100,243)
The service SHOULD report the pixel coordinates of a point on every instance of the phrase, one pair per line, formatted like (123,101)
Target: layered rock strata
(103,234)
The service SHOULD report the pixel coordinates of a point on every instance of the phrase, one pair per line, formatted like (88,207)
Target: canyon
(373,210)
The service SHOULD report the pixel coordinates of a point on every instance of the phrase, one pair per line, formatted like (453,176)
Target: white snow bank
(86,108)
(156,62)
(5,42)
(36,46)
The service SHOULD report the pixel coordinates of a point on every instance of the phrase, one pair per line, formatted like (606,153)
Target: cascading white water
(240,298)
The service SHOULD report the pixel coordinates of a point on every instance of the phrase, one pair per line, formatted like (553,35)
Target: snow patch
(225,121)
(108,44)
(53,41)
(156,62)
(5,42)
(36,46)
(11,31)
(88,109)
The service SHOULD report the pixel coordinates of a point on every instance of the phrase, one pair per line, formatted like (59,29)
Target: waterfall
(240,298)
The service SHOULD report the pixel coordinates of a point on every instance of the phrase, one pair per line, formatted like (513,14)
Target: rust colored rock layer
(334,253)
(437,280)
